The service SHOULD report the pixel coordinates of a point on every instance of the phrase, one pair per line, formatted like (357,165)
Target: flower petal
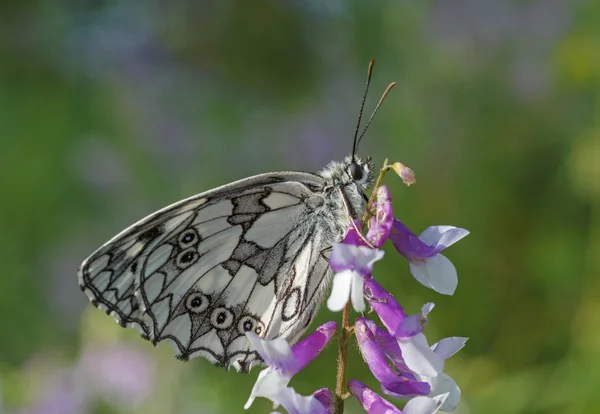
(340,291)
(424,405)
(352,236)
(414,324)
(308,348)
(419,358)
(380,226)
(444,384)
(268,384)
(389,346)
(295,403)
(350,257)
(325,397)
(372,402)
(276,353)
(441,237)
(342,257)
(366,258)
(437,273)
(356,293)
(447,347)
(408,244)
(389,310)
(392,383)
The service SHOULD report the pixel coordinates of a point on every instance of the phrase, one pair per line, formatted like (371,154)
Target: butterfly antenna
(385,93)
(362,105)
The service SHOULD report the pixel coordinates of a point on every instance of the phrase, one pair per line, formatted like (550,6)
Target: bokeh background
(110,110)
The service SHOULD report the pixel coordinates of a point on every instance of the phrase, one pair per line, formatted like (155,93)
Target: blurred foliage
(110,110)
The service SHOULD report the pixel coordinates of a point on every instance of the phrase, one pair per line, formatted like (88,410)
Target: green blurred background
(110,110)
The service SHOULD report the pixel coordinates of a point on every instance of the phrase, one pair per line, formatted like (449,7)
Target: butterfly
(249,256)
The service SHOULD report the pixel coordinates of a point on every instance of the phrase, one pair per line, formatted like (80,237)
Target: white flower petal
(421,340)
(342,255)
(424,405)
(359,258)
(366,258)
(451,237)
(268,384)
(426,308)
(447,347)
(340,291)
(419,358)
(295,403)
(444,384)
(437,273)
(276,353)
(442,236)
(357,293)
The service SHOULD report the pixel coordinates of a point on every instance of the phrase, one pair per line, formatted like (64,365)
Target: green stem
(342,362)
(346,330)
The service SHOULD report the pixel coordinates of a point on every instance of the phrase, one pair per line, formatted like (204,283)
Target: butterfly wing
(251,255)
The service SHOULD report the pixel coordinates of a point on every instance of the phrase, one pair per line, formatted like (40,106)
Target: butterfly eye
(356,171)
(197,302)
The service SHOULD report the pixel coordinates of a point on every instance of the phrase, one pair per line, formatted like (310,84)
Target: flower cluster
(283,362)
(398,354)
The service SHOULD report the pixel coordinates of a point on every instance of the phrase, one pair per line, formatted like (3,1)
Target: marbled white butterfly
(248,256)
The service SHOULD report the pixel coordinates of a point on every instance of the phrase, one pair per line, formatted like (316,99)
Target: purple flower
(406,346)
(380,225)
(397,384)
(354,235)
(427,265)
(389,346)
(352,264)
(413,356)
(373,403)
(391,313)
(325,396)
(284,362)
(389,310)
(295,403)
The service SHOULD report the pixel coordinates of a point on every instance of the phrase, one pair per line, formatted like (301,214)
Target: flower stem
(347,328)
(342,362)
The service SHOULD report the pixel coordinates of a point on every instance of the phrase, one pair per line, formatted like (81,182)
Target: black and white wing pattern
(248,256)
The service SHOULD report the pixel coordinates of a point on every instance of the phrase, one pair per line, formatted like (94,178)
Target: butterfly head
(359,172)
(352,172)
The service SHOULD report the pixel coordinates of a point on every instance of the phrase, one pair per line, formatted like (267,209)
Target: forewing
(201,272)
